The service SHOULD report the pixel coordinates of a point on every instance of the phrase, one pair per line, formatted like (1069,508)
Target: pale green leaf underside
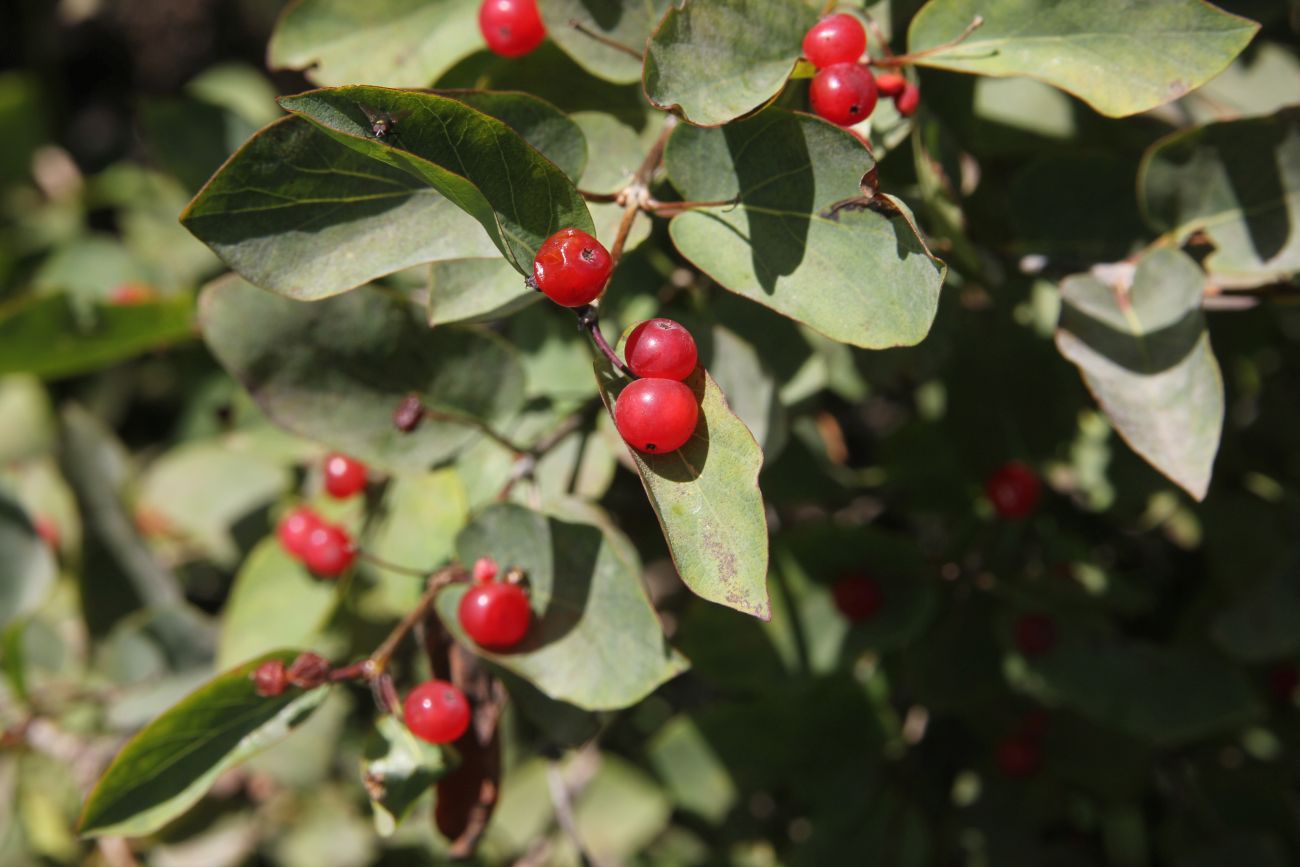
(623,22)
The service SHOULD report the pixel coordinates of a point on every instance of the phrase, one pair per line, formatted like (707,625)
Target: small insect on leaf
(382,123)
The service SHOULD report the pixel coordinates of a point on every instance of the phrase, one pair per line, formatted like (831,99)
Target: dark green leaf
(706,497)
(1118,56)
(1238,182)
(537,122)
(169,765)
(397,768)
(716,60)
(519,196)
(1145,355)
(29,568)
(335,370)
(1264,624)
(858,274)
(51,337)
(398,43)
(595,641)
(628,24)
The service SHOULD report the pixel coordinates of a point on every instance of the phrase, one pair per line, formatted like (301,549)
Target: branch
(603,39)
(908,59)
(378,660)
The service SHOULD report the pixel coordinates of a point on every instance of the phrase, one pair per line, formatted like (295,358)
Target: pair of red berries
(511,28)
(496,614)
(657,413)
(844,91)
(325,549)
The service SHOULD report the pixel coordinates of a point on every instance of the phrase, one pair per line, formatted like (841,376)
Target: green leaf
(715,61)
(1161,694)
(1238,182)
(29,568)
(397,768)
(694,776)
(1118,56)
(167,767)
(707,500)
(538,122)
(273,601)
(335,370)
(1145,355)
(595,641)
(397,43)
(519,196)
(857,274)
(628,24)
(476,290)
(1264,624)
(53,337)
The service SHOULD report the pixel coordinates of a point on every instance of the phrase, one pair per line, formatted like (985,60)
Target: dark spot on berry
(854,109)
(651,447)
(588,254)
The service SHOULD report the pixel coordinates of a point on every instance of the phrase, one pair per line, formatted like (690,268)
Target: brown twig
(453,418)
(598,197)
(655,205)
(526,463)
(603,39)
(908,59)
(378,660)
(879,34)
(589,320)
(367,557)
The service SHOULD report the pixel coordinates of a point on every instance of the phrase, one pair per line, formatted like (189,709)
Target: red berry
(485,570)
(908,101)
(656,415)
(48,530)
(571,267)
(269,678)
(844,93)
(511,28)
(835,39)
(1019,757)
(1014,490)
(496,616)
(130,294)
(308,671)
(857,597)
(295,528)
(328,551)
(1283,681)
(661,349)
(1035,634)
(437,712)
(890,83)
(344,476)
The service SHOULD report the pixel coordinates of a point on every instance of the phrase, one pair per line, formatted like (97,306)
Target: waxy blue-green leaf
(335,370)
(717,60)
(1238,182)
(707,500)
(397,768)
(397,43)
(306,216)
(595,641)
(476,290)
(796,243)
(29,568)
(1144,353)
(1119,56)
(627,24)
(476,161)
(274,601)
(166,768)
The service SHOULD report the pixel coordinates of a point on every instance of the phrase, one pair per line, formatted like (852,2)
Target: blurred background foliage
(1171,732)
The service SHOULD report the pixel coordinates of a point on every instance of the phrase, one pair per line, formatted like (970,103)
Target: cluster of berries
(657,412)
(844,91)
(325,549)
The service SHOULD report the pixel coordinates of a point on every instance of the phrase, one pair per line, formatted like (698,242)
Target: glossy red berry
(344,476)
(656,415)
(571,267)
(1283,681)
(661,349)
(890,84)
(437,712)
(485,570)
(844,94)
(328,551)
(1019,757)
(495,615)
(1014,490)
(295,528)
(1035,634)
(511,28)
(835,39)
(908,101)
(857,597)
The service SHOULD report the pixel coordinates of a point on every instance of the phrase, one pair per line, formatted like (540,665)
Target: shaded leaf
(1238,182)
(1118,56)
(595,641)
(858,274)
(476,290)
(718,60)
(1263,624)
(707,500)
(167,767)
(397,768)
(1145,355)
(519,196)
(29,567)
(335,370)
(628,24)
(398,43)
(273,601)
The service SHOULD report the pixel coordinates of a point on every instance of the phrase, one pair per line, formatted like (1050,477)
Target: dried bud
(268,678)
(408,414)
(309,671)
(485,570)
